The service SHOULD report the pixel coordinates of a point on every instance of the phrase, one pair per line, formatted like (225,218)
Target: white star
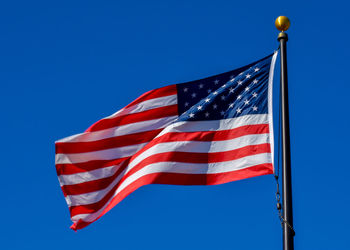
(191,115)
(239,82)
(185,89)
(200,86)
(239,110)
(239,97)
(247,76)
(216,81)
(194,95)
(207,100)
(256,69)
(222,112)
(255,94)
(246,102)
(231,105)
(206,114)
(247,88)
(231,90)
(215,93)
(199,107)
(255,108)
(186,104)
(223,97)
(215,106)
(255,81)
(209,90)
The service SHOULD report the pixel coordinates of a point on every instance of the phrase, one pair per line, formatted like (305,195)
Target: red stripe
(155,93)
(76,168)
(132,118)
(169,137)
(220,135)
(182,179)
(174,157)
(117,141)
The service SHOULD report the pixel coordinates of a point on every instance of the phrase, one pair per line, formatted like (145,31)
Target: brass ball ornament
(282,23)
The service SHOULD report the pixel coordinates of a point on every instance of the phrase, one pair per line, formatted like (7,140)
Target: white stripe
(97,174)
(107,154)
(178,146)
(188,168)
(146,105)
(187,146)
(121,130)
(215,125)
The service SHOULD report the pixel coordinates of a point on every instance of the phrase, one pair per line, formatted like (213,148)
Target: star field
(228,95)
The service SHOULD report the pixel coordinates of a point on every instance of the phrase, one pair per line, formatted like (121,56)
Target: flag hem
(270,106)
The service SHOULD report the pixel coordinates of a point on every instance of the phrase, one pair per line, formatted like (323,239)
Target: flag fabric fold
(205,132)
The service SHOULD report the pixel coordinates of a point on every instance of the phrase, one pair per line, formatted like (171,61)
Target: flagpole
(282,23)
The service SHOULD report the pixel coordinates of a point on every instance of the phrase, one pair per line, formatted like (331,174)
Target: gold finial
(282,23)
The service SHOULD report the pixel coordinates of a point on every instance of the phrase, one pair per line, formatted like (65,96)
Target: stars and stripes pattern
(205,132)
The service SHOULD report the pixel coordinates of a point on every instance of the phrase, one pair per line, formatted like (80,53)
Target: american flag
(205,132)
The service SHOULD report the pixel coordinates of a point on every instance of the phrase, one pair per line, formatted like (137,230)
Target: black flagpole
(282,23)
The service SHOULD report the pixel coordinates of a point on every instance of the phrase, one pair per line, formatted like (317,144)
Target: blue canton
(232,94)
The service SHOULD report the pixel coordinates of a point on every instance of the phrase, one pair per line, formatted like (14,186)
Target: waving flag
(205,132)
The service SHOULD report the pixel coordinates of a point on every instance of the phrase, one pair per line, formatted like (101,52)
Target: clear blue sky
(66,64)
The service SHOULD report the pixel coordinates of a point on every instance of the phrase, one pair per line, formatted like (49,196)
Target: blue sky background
(66,64)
